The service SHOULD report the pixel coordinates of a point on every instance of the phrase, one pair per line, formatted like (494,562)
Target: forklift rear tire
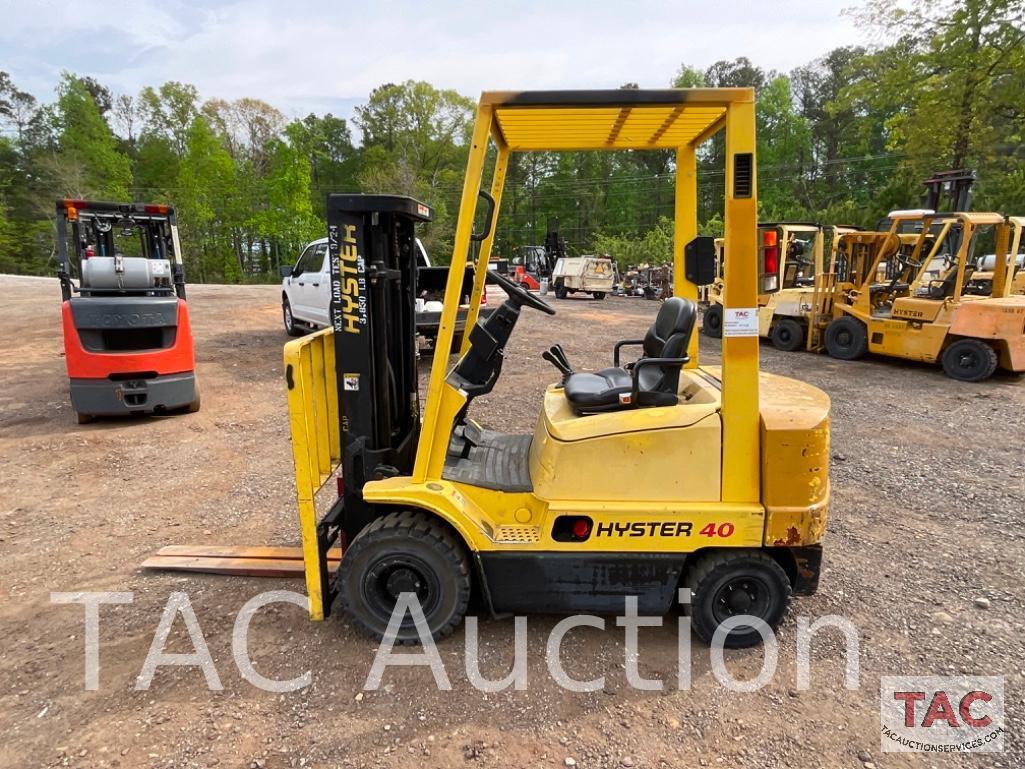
(787,335)
(712,324)
(291,327)
(969,360)
(846,338)
(405,552)
(730,583)
(84,419)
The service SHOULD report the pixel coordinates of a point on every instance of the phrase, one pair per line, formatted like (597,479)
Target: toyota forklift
(714,478)
(127,337)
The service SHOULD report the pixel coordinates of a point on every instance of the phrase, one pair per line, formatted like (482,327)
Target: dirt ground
(927,518)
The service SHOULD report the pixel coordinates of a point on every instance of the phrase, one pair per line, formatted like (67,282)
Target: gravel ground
(926,520)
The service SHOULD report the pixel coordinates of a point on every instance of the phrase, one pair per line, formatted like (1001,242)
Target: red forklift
(127,337)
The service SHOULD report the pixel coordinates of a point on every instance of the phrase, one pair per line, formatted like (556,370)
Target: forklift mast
(952,189)
(92,226)
(373,302)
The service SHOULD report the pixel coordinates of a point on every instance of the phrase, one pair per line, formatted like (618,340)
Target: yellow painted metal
(795,447)
(433,442)
(484,255)
(313,421)
(741,478)
(685,229)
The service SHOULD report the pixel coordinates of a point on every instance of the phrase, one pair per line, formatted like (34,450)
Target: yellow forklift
(793,250)
(901,293)
(714,478)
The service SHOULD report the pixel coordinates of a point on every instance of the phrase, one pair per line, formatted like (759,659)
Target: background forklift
(127,337)
(917,316)
(794,252)
(714,478)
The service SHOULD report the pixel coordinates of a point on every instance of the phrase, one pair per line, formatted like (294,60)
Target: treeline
(842,139)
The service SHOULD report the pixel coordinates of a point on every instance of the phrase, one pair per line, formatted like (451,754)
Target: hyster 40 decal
(645,529)
(661,529)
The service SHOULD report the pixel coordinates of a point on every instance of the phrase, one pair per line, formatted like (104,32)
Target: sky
(306,56)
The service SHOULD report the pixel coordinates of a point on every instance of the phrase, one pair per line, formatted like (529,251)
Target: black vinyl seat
(653,380)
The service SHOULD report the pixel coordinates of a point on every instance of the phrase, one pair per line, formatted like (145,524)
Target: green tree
(206,190)
(87,148)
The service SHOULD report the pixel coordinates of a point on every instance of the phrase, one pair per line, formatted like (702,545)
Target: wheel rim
(713,320)
(390,576)
(747,595)
(844,338)
(784,335)
(288,317)
(968,361)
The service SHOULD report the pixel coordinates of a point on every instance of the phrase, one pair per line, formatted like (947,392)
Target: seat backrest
(669,337)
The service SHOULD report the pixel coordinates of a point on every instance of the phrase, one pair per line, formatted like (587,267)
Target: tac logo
(938,714)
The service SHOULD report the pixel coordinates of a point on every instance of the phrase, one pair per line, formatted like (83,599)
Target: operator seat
(653,380)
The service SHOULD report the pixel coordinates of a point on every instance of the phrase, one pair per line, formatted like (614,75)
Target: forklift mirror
(699,260)
(285,270)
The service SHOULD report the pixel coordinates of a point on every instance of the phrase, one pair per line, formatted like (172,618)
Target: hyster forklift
(714,479)
(127,338)
(793,251)
(912,314)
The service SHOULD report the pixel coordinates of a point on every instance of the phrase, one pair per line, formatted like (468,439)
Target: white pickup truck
(306,293)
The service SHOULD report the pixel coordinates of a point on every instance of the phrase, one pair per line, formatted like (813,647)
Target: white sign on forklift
(740,321)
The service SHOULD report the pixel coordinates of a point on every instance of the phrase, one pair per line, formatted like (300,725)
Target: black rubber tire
(560,291)
(291,327)
(193,407)
(711,326)
(846,338)
(719,573)
(418,543)
(83,419)
(599,295)
(787,335)
(969,360)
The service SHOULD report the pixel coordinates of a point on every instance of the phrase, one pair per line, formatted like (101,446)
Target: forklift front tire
(405,552)
(787,335)
(846,338)
(194,406)
(969,360)
(731,583)
(711,326)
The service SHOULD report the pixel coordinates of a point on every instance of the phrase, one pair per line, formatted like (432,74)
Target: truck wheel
(969,360)
(726,584)
(405,552)
(846,338)
(599,295)
(561,292)
(291,328)
(787,335)
(712,324)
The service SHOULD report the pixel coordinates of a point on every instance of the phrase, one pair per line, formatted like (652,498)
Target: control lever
(558,352)
(552,358)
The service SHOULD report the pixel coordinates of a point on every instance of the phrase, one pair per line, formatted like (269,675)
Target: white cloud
(305,55)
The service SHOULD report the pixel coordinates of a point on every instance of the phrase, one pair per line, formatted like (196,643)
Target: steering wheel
(518,295)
